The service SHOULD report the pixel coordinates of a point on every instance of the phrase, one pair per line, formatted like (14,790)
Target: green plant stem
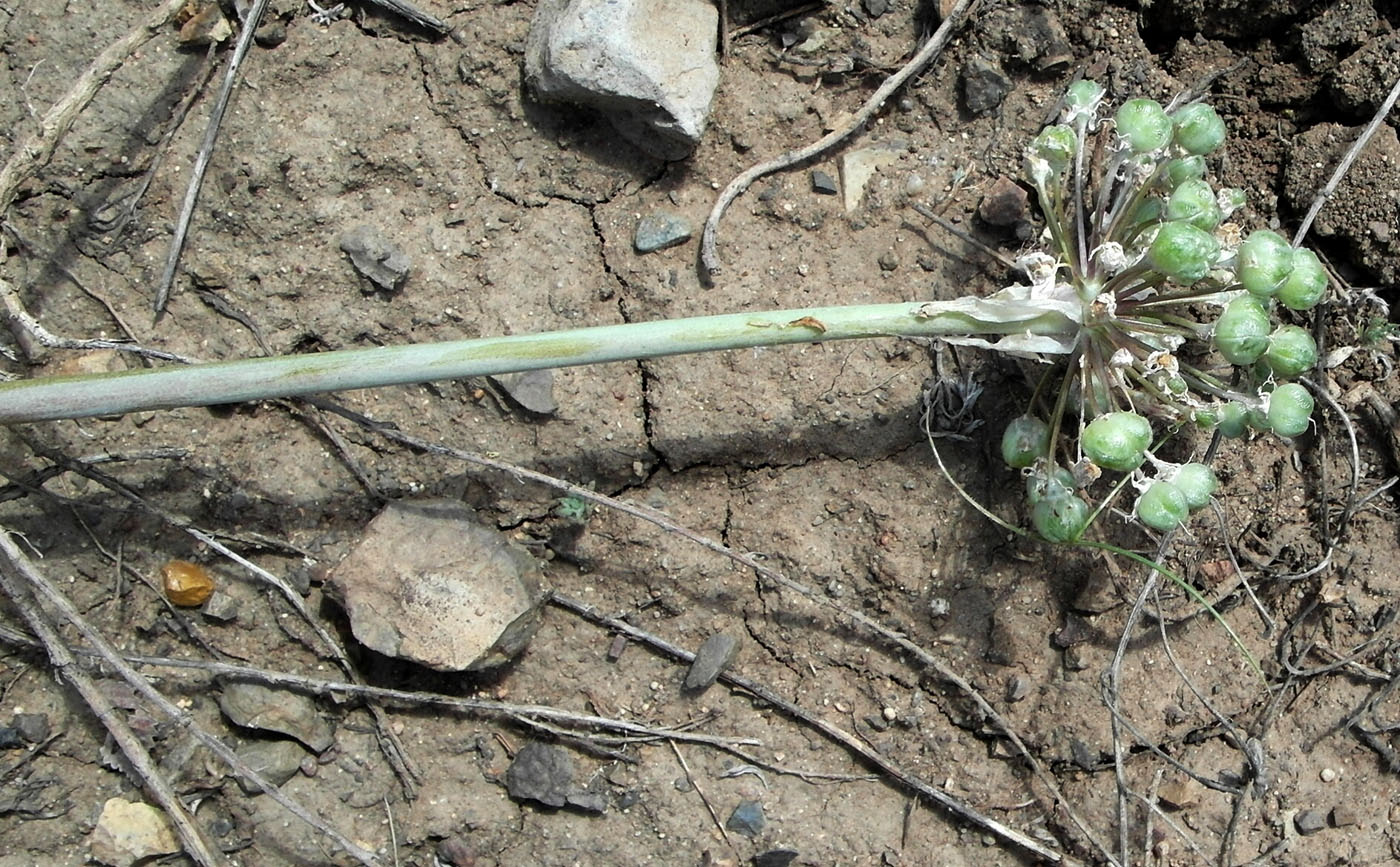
(297,375)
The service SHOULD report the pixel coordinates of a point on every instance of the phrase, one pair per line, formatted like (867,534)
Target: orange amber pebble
(186,584)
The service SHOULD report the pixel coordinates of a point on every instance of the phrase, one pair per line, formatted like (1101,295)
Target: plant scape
(1137,243)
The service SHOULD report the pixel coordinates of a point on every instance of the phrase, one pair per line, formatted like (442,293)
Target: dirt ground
(520,217)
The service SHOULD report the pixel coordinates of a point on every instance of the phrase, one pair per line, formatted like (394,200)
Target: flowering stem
(70,397)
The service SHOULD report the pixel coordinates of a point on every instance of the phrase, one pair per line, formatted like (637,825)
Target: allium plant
(1137,246)
(1176,311)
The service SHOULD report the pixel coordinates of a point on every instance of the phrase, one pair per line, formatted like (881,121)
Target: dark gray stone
(661,230)
(376,258)
(541,772)
(823,183)
(222,606)
(984,87)
(1004,204)
(255,706)
(1310,822)
(275,761)
(775,858)
(533,390)
(33,727)
(876,8)
(713,657)
(747,819)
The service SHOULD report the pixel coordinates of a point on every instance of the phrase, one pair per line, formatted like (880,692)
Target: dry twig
(64,663)
(45,590)
(36,150)
(709,255)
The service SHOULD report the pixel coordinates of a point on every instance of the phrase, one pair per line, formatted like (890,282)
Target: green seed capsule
(1196,482)
(1055,145)
(1290,410)
(1117,440)
(1306,283)
(1291,351)
(1083,96)
(1193,201)
(1144,125)
(1060,483)
(1182,252)
(1263,263)
(1187,168)
(1026,438)
(1198,129)
(1232,420)
(1060,519)
(1162,506)
(1242,331)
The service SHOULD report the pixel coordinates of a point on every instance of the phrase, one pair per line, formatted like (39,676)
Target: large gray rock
(430,584)
(648,65)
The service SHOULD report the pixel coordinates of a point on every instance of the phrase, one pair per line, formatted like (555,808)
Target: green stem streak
(72,397)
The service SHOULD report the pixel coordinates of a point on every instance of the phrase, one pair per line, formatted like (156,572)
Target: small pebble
(775,858)
(747,819)
(889,713)
(888,261)
(1309,822)
(713,657)
(33,727)
(876,8)
(661,230)
(1017,688)
(1328,775)
(823,183)
(1341,816)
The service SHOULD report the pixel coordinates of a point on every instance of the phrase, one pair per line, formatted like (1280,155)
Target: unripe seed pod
(1291,351)
(1306,283)
(1194,202)
(1232,420)
(1196,482)
(1197,128)
(1026,439)
(1290,410)
(1263,262)
(1059,483)
(1242,331)
(1055,145)
(1144,125)
(1162,506)
(1182,252)
(1117,440)
(1083,96)
(1187,168)
(1060,519)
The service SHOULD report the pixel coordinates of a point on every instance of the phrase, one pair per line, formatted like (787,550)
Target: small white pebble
(889,714)
(1328,775)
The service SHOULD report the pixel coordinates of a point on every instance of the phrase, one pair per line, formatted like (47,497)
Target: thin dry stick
(1342,167)
(748,561)
(709,256)
(25,568)
(206,151)
(141,762)
(695,784)
(528,715)
(38,148)
(389,742)
(23,323)
(840,736)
